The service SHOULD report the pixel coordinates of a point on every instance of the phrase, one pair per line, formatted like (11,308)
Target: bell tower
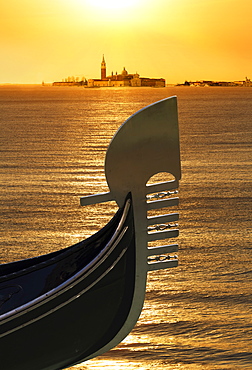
(103,69)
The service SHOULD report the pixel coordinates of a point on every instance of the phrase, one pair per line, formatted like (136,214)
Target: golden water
(53,142)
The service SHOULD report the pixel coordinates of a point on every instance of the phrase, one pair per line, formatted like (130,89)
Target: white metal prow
(146,144)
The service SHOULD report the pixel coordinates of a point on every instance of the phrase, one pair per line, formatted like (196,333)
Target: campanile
(103,69)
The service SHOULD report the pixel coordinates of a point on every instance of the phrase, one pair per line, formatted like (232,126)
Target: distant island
(126,79)
(202,83)
(114,80)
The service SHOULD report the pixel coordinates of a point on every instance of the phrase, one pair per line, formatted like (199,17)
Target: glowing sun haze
(113,4)
(178,40)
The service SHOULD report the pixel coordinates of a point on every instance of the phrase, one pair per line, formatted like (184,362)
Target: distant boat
(63,308)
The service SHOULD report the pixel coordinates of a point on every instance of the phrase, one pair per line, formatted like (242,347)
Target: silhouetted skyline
(177,40)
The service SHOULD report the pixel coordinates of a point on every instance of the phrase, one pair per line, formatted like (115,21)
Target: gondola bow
(71,305)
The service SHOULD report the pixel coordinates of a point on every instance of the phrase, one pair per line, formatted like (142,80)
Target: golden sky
(48,40)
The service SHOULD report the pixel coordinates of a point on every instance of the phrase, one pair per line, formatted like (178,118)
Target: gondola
(63,308)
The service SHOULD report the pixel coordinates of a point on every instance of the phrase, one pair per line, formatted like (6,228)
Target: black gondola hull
(67,327)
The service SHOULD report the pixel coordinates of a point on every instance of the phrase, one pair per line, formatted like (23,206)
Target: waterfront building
(124,79)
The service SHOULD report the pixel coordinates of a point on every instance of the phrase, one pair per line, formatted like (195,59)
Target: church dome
(124,72)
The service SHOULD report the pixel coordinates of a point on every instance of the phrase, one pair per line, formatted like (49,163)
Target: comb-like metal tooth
(170,248)
(96,198)
(163,235)
(161,227)
(162,264)
(161,195)
(157,204)
(161,186)
(160,219)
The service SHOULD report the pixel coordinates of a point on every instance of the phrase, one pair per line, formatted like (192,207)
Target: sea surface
(53,140)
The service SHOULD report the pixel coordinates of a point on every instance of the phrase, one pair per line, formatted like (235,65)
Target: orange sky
(175,39)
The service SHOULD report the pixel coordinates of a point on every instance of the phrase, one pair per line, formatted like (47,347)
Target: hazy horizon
(176,40)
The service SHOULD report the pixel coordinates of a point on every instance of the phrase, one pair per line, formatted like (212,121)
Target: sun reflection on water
(195,317)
